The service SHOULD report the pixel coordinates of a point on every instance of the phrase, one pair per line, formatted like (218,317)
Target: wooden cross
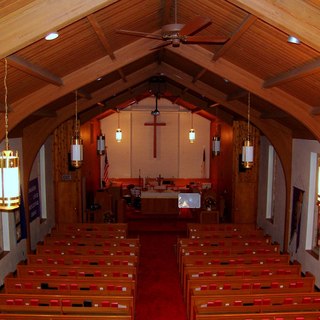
(155,124)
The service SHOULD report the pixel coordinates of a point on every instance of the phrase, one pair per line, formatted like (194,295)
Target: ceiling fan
(177,33)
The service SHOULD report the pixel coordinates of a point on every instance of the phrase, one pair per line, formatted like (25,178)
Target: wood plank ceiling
(283,78)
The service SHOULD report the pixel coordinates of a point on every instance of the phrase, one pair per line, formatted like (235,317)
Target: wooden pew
(116,234)
(98,242)
(254,303)
(90,227)
(87,250)
(296,315)
(66,304)
(199,264)
(48,285)
(248,245)
(77,271)
(226,227)
(213,272)
(58,259)
(225,257)
(201,234)
(247,285)
(62,317)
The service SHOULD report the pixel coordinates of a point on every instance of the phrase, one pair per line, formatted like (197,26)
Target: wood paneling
(245,181)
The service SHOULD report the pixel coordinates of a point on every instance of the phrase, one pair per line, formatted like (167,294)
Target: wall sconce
(118,131)
(192,134)
(101,144)
(247,148)
(76,141)
(9,164)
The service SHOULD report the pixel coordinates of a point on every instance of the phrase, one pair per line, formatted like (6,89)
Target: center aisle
(159,295)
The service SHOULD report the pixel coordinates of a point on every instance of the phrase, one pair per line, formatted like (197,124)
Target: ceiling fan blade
(140,34)
(204,39)
(195,25)
(164,44)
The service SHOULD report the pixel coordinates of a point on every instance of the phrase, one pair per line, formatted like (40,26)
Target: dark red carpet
(159,295)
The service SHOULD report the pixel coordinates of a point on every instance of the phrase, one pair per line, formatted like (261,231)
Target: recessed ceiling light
(52,36)
(293,39)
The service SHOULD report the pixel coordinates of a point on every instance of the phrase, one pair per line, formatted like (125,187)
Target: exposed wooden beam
(248,21)
(45,114)
(315,111)
(101,36)
(294,17)
(34,70)
(199,75)
(78,79)
(39,17)
(237,95)
(297,108)
(273,115)
(122,75)
(3,109)
(84,94)
(104,41)
(305,70)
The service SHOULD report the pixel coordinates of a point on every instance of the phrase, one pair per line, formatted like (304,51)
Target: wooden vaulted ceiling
(283,78)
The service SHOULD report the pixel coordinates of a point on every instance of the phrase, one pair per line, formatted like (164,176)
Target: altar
(159,202)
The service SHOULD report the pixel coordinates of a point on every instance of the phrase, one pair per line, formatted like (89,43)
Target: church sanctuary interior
(160,159)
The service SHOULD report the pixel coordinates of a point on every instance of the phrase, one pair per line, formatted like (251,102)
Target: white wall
(302,150)
(176,156)
(274,227)
(40,227)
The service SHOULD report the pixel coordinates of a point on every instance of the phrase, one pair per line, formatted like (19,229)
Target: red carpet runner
(159,295)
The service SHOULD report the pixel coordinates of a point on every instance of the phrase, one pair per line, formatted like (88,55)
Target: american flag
(106,170)
(203,164)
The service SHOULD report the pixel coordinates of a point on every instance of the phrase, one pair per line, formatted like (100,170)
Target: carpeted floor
(159,295)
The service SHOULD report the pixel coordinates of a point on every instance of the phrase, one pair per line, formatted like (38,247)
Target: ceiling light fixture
(9,164)
(156,112)
(76,141)
(247,149)
(51,36)
(192,134)
(294,40)
(118,131)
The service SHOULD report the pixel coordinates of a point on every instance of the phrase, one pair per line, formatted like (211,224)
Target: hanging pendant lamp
(76,141)
(216,138)
(118,131)
(247,148)
(192,133)
(9,165)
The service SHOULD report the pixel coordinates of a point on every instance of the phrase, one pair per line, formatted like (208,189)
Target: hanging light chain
(76,107)
(6,103)
(249,102)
